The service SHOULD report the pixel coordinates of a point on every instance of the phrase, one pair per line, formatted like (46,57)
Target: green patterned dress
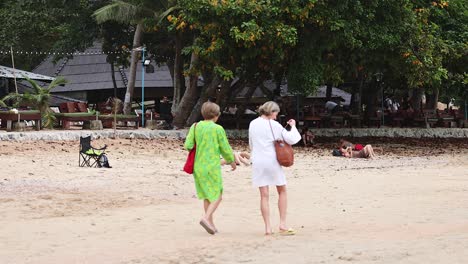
(211,143)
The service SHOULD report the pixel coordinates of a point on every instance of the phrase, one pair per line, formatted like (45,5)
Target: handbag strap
(195,133)
(269,122)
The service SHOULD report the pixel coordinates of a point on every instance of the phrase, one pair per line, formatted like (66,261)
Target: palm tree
(135,12)
(39,99)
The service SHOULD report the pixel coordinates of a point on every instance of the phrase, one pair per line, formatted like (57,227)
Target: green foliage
(51,25)
(3,104)
(134,11)
(251,40)
(415,43)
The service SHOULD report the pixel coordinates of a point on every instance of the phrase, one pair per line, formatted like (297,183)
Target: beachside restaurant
(12,80)
(311,112)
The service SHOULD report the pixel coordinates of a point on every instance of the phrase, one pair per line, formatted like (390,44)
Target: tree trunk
(432,104)
(178,76)
(189,98)
(224,94)
(372,97)
(359,100)
(170,65)
(113,78)
(133,67)
(208,91)
(329,92)
(278,80)
(417,98)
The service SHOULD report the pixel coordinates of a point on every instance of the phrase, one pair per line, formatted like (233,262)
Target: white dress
(266,169)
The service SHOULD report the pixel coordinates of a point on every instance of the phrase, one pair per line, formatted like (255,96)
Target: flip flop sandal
(289,232)
(207,227)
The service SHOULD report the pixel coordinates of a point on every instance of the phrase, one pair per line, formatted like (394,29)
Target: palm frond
(2,103)
(119,11)
(14,97)
(57,82)
(37,88)
(161,16)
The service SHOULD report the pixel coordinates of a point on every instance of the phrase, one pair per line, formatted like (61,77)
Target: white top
(266,169)
(329,105)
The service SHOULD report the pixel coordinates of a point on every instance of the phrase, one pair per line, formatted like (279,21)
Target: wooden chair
(82,107)
(73,112)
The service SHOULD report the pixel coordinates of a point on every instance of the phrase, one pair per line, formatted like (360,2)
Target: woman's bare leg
(371,152)
(206,204)
(282,206)
(265,208)
(210,211)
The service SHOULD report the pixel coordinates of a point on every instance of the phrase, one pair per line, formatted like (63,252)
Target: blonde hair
(268,108)
(210,110)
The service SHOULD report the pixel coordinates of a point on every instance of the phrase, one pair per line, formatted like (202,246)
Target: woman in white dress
(263,131)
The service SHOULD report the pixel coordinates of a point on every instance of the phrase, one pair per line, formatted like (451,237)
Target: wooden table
(9,117)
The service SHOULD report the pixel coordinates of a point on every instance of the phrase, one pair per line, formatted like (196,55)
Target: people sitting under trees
(165,110)
(231,109)
(307,137)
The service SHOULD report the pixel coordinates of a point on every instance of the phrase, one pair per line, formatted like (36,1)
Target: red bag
(190,163)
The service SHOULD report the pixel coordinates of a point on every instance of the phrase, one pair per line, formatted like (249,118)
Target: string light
(76,53)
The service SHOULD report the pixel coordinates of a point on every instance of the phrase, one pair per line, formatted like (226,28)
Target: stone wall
(60,135)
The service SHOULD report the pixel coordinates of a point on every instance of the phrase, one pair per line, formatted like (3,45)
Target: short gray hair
(210,110)
(268,108)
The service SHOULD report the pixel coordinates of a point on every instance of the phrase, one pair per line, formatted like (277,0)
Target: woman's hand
(233,166)
(292,122)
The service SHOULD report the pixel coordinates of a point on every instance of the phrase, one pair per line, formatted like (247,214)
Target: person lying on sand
(240,158)
(344,144)
(367,152)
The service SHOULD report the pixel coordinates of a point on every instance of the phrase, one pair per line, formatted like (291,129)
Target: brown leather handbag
(284,151)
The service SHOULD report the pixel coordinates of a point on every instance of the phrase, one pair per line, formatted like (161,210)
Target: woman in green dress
(211,143)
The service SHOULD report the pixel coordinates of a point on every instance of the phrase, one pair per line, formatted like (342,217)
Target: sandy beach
(407,206)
